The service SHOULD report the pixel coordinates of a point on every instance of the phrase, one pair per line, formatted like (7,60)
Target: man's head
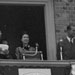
(70,31)
(25,38)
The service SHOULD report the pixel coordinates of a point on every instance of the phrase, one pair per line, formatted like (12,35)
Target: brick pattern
(64,14)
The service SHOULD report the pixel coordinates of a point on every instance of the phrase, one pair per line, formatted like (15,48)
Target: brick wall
(64,11)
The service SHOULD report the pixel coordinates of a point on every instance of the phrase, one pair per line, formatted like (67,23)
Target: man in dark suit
(66,47)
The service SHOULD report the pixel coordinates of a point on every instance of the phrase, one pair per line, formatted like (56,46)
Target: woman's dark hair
(24,32)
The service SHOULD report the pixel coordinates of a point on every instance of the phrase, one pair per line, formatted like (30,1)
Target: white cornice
(23,1)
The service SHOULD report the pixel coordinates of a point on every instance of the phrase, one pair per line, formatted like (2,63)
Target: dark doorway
(16,18)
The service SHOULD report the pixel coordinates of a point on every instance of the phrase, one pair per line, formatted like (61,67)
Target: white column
(50,31)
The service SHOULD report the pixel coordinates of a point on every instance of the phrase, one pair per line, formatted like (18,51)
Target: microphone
(61,55)
(37,45)
(61,40)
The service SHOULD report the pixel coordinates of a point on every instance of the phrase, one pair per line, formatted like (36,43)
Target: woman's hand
(6,52)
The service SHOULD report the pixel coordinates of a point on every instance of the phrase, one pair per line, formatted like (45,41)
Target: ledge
(10,62)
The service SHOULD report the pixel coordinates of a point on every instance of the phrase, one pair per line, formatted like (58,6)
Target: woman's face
(25,38)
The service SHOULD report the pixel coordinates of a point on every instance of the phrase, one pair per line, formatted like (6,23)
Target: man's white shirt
(70,39)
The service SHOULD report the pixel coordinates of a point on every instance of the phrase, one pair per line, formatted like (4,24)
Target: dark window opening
(16,18)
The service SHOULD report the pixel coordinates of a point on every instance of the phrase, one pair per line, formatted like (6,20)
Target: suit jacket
(68,50)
